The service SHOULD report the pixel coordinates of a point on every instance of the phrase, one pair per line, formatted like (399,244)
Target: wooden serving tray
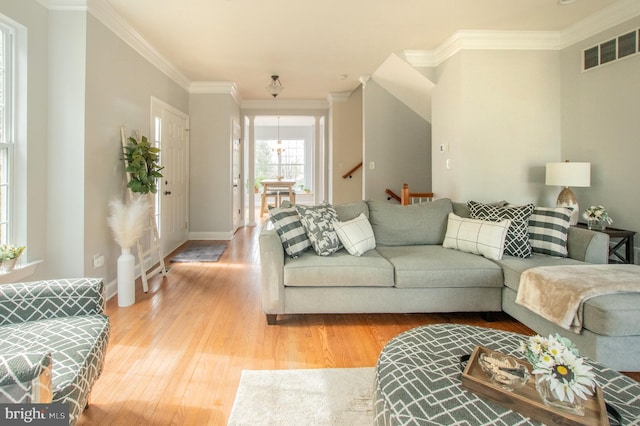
(526,400)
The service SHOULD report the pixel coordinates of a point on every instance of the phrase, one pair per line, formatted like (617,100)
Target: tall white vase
(126,278)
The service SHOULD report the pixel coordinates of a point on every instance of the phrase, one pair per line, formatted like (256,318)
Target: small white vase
(9,264)
(126,278)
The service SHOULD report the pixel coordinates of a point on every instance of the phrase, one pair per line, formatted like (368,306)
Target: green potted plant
(9,255)
(141,160)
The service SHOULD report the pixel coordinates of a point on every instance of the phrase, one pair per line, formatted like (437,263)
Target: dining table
(276,187)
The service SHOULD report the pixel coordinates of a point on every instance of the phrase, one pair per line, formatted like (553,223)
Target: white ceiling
(312,43)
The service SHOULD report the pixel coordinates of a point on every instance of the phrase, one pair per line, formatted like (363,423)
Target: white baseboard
(210,236)
(111,289)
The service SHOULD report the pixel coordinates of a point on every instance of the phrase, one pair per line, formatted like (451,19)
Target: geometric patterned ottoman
(59,320)
(418,380)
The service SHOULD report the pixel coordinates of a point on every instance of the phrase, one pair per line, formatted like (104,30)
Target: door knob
(167,192)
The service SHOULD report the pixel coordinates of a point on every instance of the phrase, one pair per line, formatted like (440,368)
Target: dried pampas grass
(128,221)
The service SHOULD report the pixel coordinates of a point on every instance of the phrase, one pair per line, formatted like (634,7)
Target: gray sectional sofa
(410,271)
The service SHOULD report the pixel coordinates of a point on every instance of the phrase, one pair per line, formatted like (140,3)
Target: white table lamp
(569,174)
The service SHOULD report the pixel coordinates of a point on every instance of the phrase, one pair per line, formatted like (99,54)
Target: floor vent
(611,50)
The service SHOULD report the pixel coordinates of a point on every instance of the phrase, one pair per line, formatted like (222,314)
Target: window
(6,130)
(286,146)
(284,159)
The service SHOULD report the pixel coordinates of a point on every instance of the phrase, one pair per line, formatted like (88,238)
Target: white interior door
(171,128)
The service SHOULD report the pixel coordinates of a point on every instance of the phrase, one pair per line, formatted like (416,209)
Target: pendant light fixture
(275,87)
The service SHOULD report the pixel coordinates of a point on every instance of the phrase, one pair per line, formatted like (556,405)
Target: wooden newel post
(404,195)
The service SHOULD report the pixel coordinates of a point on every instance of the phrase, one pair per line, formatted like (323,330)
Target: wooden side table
(620,239)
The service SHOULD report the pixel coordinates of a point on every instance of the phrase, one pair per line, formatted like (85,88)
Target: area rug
(200,253)
(329,396)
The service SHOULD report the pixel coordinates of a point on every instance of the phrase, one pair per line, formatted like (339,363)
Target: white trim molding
(224,87)
(283,104)
(104,13)
(613,15)
(525,40)
(80,5)
(338,97)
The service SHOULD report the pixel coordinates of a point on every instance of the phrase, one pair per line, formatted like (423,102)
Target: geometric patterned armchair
(53,340)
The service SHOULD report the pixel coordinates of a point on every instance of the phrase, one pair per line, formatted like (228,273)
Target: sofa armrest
(38,300)
(587,245)
(272,270)
(25,378)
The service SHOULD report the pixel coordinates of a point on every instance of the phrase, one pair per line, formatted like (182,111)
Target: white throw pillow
(476,236)
(356,235)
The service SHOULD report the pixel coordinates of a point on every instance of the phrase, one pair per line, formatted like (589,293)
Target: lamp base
(567,198)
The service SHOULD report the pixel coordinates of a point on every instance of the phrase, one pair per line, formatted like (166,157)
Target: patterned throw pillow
(476,236)
(517,242)
(318,223)
(289,228)
(356,235)
(548,229)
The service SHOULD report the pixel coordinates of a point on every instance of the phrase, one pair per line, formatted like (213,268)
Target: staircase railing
(405,198)
(349,174)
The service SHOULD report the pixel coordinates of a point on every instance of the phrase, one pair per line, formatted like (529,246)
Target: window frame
(7,137)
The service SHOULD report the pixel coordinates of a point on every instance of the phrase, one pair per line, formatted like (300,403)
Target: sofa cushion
(613,314)
(318,223)
(348,211)
(513,267)
(287,223)
(517,241)
(436,266)
(338,270)
(548,228)
(356,235)
(606,315)
(476,236)
(396,225)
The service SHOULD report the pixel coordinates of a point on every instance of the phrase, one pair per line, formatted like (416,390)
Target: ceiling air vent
(611,50)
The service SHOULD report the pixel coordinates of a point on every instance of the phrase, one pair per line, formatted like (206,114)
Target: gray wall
(66,153)
(398,141)
(346,148)
(119,87)
(210,135)
(498,114)
(84,83)
(601,124)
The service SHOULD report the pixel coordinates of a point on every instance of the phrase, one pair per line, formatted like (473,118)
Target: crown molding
(483,40)
(620,12)
(525,40)
(616,14)
(80,5)
(283,104)
(338,97)
(103,12)
(217,87)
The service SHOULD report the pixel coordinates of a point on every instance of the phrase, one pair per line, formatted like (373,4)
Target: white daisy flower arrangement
(556,360)
(598,213)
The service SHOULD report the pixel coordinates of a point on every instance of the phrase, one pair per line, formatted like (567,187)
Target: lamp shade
(568,174)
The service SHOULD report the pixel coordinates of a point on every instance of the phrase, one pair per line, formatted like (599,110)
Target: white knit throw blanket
(558,293)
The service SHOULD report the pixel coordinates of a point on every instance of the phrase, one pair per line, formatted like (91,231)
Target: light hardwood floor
(176,356)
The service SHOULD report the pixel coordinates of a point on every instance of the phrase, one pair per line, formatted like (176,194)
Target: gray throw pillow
(396,225)
(548,230)
(348,211)
(318,223)
(288,226)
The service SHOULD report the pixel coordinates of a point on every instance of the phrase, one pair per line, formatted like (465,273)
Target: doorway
(284,147)
(170,133)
